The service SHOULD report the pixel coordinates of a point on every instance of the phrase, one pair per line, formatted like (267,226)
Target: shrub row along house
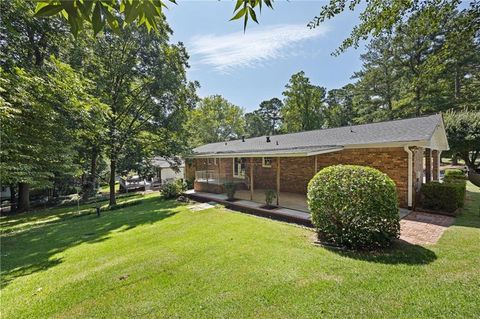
(407,150)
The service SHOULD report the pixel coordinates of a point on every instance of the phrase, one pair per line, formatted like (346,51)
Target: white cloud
(256,46)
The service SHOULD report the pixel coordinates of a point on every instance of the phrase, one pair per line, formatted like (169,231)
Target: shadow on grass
(401,252)
(32,250)
(59,212)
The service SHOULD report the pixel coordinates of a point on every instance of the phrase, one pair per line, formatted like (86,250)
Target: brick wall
(391,161)
(296,172)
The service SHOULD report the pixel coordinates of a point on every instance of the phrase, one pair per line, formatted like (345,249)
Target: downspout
(410,177)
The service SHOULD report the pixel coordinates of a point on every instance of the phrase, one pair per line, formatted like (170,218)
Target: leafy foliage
(446,197)
(266,120)
(270,196)
(99,13)
(380,16)
(303,105)
(230,189)
(255,124)
(215,120)
(39,126)
(354,206)
(173,189)
(463,132)
(118,14)
(454,173)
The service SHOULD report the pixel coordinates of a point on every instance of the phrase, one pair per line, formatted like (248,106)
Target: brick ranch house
(407,150)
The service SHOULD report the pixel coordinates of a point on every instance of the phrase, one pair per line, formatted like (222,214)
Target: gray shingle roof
(162,162)
(406,130)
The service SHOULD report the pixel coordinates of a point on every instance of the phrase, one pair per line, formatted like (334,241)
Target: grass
(159,259)
(105,188)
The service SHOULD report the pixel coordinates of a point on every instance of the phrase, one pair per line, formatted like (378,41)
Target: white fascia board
(421,143)
(300,154)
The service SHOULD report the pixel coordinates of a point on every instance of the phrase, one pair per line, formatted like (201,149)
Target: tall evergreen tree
(304,105)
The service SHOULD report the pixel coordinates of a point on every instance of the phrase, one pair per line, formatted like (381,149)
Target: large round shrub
(354,206)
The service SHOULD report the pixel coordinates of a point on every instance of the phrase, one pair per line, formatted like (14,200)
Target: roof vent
(268,139)
(243,138)
(225,143)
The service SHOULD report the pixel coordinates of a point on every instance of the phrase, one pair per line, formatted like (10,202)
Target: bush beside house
(354,206)
(444,197)
(447,196)
(230,189)
(173,189)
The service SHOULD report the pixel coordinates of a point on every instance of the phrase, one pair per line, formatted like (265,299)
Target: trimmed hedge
(354,206)
(455,172)
(446,196)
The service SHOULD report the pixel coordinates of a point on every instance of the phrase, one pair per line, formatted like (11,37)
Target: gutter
(410,177)
(266,154)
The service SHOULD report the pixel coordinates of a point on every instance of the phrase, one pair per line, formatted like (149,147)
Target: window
(239,166)
(267,162)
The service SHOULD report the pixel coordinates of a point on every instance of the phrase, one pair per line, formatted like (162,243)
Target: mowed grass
(159,259)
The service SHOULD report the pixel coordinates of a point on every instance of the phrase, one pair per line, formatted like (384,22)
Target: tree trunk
(113,168)
(13,198)
(91,180)
(418,110)
(23,197)
(457,83)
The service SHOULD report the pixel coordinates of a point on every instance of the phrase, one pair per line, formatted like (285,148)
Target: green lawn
(105,188)
(158,259)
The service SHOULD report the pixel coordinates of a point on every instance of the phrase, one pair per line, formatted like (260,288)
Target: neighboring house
(403,149)
(166,170)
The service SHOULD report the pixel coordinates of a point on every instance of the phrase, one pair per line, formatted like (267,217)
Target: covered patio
(286,199)
(251,207)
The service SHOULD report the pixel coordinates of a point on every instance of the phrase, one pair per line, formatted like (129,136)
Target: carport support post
(278,181)
(436,165)
(251,178)
(206,172)
(428,164)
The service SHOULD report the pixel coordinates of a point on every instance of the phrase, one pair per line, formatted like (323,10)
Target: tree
(378,81)
(40,117)
(303,109)
(45,99)
(142,80)
(26,41)
(339,111)
(270,111)
(118,14)
(463,132)
(425,65)
(215,120)
(255,124)
(381,16)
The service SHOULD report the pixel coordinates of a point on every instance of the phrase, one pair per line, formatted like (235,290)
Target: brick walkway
(423,228)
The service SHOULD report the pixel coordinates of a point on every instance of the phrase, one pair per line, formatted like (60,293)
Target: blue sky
(247,68)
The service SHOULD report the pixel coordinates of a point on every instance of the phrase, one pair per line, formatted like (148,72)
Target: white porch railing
(210,177)
(218,178)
